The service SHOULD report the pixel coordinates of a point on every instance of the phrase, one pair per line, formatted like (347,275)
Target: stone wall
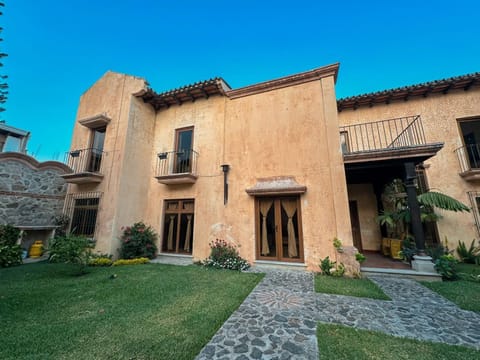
(31,193)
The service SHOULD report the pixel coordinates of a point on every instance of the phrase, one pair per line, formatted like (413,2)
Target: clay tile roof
(192,92)
(464,82)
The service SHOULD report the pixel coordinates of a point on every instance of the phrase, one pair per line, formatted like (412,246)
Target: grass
(348,286)
(340,342)
(147,312)
(465,293)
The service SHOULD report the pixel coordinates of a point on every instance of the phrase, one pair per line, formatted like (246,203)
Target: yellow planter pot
(386,246)
(36,250)
(395,248)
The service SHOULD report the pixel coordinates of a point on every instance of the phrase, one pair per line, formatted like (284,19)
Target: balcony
(177,167)
(469,159)
(86,165)
(397,138)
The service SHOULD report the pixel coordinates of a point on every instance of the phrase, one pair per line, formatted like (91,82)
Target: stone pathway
(414,312)
(278,319)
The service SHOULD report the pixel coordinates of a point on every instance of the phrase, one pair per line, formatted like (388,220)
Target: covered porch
(376,153)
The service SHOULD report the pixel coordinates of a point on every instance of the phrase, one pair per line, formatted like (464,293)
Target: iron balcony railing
(176,162)
(85,160)
(468,157)
(382,135)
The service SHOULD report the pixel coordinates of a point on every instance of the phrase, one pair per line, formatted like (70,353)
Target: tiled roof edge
(465,81)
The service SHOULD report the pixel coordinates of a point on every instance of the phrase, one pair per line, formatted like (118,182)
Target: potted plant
(396,217)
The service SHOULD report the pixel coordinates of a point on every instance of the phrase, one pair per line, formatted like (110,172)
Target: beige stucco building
(275,168)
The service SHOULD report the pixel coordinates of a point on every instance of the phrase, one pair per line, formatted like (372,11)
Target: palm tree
(396,215)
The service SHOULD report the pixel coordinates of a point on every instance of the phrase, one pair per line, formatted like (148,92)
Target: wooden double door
(279,229)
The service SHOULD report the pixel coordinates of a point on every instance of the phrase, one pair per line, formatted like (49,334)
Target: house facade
(439,112)
(271,168)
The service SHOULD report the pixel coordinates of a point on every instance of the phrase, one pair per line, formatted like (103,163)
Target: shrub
(326,266)
(409,249)
(9,235)
(71,249)
(101,255)
(446,266)
(331,268)
(435,252)
(337,244)
(62,222)
(225,256)
(339,271)
(100,261)
(10,252)
(470,255)
(360,257)
(10,255)
(138,240)
(136,261)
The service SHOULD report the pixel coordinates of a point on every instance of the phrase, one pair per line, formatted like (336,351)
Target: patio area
(375,259)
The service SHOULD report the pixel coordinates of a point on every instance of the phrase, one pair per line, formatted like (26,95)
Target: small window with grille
(82,208)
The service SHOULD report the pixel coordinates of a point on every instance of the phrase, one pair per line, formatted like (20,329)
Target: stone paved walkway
(414,312)
(278,319)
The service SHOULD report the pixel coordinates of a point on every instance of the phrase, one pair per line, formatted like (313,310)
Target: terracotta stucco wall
(111,95)
(137,169)
(439,115)
(367,212)
(207,119)
(288,132)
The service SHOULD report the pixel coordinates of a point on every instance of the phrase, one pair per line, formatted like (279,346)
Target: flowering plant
(136,261)
(225,256)
(138,240)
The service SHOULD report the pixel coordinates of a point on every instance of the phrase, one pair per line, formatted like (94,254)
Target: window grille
(82,209)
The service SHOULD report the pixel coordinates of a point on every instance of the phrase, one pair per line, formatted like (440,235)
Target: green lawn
(147,312)
(340,342)
(348,286)
(465,293)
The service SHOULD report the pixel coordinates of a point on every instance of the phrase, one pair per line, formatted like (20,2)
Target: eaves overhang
(188,93)
(218,86)
(464,82)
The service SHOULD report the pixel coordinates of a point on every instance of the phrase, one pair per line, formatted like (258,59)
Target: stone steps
(265,266)
(173,259)
(402,273)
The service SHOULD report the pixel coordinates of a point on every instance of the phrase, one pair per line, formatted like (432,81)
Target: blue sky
(58,49)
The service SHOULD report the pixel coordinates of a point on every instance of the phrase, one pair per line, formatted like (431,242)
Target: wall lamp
(225,169)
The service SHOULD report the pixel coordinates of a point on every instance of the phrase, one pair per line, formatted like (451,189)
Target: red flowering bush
(137,241)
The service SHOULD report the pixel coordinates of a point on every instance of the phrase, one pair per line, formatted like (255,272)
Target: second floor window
(471,138)
(183,150)
(98,139)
